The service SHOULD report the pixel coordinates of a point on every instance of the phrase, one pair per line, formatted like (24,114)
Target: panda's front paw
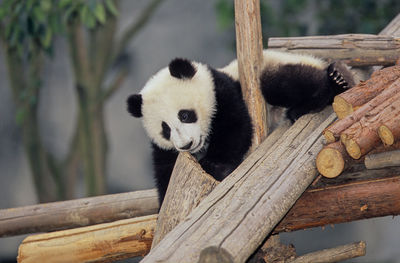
(217,170)
(340,75)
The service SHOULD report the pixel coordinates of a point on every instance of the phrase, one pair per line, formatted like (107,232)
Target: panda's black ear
(181,68)
(135,105)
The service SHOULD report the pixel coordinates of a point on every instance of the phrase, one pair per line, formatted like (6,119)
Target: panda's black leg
(218,170)
(340,77)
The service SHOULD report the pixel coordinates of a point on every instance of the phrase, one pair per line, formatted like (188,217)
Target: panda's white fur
(220,134)
(163,97)
(272,59)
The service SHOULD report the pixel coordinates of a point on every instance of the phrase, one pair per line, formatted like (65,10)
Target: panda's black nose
(187,146)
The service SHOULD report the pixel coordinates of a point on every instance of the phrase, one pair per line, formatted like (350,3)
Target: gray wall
(178,29)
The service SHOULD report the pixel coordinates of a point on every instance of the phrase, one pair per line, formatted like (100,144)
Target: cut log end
(330,162)
(341,107)
(329,137)
(352,148)
(386,135)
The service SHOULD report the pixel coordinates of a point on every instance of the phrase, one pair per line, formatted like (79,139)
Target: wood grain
(77,213)
(352,49)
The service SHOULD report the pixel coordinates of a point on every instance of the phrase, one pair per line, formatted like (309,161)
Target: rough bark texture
(333,255)
(332,160)
(249,50)
(100,243)
(362,136)
(241,211)
(347,102)
(352,49)
(354,195)
(382,160)
(189,184)
(76,213)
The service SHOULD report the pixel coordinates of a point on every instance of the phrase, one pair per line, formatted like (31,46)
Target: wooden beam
(77,213)
(352,49)
(189,184)
(244,208)
(249,50)
(100,243)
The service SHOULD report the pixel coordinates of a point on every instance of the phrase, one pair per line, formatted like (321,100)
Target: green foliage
(30,25)
(289,17)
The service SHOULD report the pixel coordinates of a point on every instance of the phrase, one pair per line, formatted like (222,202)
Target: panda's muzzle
(187,146)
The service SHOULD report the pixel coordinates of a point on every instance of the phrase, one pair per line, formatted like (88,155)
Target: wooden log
(349,197)
(240,212)
(352,49)
(332,160)
(333,255)
(377,104)
(362,136)
(100,243)
(347,102)
(382,160)
(249,50)
(393,28)
(76,213)
(189,184)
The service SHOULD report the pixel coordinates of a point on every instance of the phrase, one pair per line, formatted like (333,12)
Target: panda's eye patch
(187,116)
(166,130)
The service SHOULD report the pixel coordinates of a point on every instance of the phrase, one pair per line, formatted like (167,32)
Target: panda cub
(189,106)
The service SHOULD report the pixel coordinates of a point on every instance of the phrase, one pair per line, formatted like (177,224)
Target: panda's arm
(163,162)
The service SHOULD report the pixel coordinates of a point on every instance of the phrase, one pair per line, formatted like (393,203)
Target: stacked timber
(368,122)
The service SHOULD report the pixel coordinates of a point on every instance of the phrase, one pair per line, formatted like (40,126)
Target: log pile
(368,122)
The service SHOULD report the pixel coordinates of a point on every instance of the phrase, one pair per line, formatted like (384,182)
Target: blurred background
(67,67)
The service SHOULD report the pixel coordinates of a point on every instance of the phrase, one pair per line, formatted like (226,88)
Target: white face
(177,113)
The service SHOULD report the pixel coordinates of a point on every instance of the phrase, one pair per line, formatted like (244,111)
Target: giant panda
(193,107)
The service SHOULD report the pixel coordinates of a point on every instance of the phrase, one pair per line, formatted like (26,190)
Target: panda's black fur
(299,88)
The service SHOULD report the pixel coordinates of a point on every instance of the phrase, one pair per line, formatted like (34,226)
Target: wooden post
(249,50)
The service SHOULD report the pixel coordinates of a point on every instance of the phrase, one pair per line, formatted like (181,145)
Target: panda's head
(177,106)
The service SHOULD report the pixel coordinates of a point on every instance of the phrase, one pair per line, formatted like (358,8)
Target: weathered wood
(76,213)
(99,243)
(352,196)
(382,160)
(332,255)
(362,136)
(332,160)
(189,184)
(249,50)
(237,215)
(393,28)
(347,102)
(352,49)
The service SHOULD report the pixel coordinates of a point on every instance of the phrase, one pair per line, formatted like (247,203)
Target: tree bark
(382,160)
(362,136)
(77,213)
(244,208)
(249,50)
(346,103)
(352,49)
(333,255)
(99,243)
(189,184)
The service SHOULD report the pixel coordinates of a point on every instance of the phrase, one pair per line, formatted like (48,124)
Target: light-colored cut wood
(240,212)
(333,255)
(352,49)
(381,160)
(189,184)
(249,50)
(331,160)
(77,213)
(100,243)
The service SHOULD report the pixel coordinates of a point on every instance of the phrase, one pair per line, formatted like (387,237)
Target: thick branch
(352,49)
